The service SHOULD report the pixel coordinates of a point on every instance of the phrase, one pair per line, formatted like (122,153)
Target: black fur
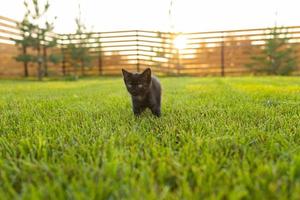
(145,91)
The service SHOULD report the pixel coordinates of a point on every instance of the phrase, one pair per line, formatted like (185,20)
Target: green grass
(218,138)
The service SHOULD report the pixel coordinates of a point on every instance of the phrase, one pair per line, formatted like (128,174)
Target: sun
(180,42)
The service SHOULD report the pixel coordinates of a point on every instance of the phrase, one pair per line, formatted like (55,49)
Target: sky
(187,15)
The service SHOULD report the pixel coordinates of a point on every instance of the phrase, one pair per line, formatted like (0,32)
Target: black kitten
(145,91)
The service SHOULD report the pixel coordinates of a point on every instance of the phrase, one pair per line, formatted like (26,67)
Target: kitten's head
(137,84)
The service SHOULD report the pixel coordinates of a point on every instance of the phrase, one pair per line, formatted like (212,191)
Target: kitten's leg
(138,111)
(156,110)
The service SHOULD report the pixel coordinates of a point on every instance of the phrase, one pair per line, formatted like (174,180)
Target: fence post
(100,63)
(137,52)
(100,66)
(222,56)
(178,62)
(63,61)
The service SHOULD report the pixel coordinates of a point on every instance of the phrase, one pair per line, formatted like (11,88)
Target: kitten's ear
(126,74)
(147,74)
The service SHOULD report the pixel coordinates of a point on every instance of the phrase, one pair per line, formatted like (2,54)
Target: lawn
(218,138)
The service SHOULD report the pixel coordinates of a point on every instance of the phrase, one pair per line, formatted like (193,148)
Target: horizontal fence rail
(201,54)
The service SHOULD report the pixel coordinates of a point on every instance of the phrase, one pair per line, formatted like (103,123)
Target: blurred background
(41,38)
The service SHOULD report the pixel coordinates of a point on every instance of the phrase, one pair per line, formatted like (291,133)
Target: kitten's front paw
(156,112)
(137,112)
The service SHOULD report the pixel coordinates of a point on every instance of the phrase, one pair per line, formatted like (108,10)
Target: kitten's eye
(129,85)
(140,85)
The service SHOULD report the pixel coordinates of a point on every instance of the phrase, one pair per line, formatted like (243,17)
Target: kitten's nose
(134,93)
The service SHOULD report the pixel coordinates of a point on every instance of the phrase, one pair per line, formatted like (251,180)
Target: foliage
(24,58)
(55,58)
(277,57)
(233,138)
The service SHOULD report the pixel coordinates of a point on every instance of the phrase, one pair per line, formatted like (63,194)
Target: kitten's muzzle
(134,93)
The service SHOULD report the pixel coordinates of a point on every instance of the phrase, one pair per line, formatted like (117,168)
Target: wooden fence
(205,53)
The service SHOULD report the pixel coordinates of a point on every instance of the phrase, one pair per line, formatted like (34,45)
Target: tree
(36,14)
(46,43)
(35,31)
(26,29)
(80,51)
(277,57)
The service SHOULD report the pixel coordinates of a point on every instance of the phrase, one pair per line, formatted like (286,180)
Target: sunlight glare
(180,42)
